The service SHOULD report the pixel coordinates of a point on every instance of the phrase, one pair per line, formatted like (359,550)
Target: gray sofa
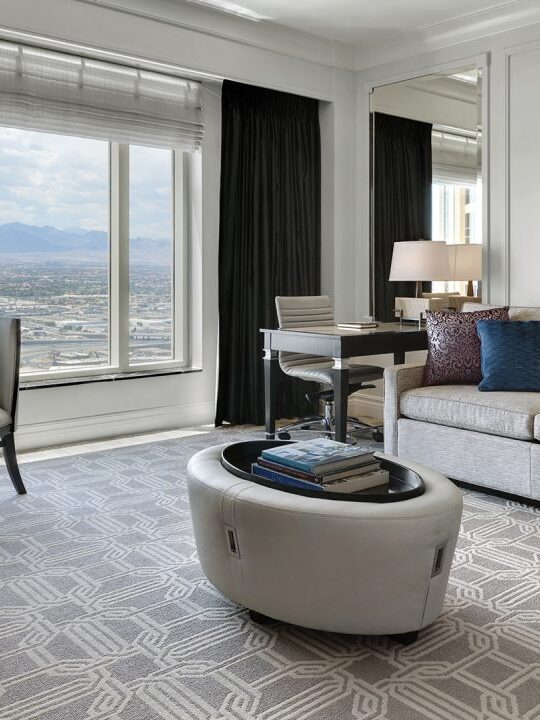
(490,439)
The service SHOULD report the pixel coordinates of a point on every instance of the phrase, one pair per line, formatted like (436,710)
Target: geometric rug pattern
(105,613)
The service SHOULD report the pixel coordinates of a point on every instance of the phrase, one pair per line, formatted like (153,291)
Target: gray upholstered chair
(10,353)
(316,311)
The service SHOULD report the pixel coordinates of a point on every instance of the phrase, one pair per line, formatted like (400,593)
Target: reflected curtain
(402,178)
(269,238)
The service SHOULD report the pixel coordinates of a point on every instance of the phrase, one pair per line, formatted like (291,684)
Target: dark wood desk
(340,345)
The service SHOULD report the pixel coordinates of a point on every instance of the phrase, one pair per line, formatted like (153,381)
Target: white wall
(59,415)
(513,194)
(410,102)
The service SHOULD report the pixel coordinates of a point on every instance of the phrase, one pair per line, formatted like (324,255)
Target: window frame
(119,362)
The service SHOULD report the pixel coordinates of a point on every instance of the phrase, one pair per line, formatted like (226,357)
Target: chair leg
(12,465)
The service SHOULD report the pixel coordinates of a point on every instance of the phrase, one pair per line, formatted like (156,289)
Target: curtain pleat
(402,177)
(270,237)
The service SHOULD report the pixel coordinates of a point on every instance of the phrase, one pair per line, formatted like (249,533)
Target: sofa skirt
(505,464)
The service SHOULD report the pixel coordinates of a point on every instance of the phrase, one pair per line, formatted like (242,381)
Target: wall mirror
(426,184)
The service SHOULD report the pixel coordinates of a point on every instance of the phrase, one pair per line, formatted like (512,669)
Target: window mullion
(119,276)
(180,257)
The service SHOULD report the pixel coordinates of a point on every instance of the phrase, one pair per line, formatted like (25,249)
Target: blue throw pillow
(510,351)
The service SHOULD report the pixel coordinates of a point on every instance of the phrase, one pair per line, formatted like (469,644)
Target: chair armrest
(397,379)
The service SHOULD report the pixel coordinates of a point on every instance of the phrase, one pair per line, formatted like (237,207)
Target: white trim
(262,35)
(473,26)
(95,427)
(180,257)
(483,149)
(509,51)
(365,404)
(482,62)
(479,60)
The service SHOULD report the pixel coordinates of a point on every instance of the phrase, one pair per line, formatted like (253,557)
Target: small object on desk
(358,325)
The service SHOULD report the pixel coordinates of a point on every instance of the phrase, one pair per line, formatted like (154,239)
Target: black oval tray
(404,483)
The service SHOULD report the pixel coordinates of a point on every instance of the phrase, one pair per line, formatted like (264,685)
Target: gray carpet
(104,613)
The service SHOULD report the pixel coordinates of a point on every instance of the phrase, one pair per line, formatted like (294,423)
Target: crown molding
(263,34)
(466,28)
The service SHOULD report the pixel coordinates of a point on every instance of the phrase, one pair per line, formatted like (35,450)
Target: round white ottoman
(346,567)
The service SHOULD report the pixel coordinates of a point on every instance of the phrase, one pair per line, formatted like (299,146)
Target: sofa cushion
(511,415)
(454,346)
(510,355)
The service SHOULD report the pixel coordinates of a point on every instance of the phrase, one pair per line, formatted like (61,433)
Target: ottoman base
(343,567)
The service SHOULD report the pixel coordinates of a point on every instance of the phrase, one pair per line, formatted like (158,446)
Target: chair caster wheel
(284,436)
(378,436)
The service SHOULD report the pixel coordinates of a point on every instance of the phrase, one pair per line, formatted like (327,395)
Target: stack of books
(321,465)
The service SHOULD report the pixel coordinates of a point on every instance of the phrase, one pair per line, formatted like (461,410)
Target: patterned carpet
(104,613)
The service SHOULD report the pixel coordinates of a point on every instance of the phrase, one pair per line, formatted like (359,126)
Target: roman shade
(57,92)
(455,158)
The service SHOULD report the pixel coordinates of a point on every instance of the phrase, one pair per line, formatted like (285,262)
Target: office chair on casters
(317,311)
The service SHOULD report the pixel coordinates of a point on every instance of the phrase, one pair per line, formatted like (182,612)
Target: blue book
(283,479)
(319,456)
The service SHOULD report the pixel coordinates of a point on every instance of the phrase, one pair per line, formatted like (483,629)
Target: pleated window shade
(455,158)
(56,92)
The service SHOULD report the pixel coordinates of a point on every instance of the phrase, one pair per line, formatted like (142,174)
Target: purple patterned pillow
(454,346)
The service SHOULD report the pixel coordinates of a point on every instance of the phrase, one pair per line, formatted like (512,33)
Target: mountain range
(73,245)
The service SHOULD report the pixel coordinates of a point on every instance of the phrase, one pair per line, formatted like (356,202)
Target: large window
(454,220)
(92,241)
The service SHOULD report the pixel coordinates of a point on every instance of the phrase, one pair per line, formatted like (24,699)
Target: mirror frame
(481,63)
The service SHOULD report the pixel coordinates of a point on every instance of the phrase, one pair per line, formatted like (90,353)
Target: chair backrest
(303,311)
(10,354)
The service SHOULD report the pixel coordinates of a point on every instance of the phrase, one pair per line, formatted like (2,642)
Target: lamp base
(470,289)
(418,291)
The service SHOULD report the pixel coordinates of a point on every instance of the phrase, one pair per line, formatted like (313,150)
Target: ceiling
(356,21)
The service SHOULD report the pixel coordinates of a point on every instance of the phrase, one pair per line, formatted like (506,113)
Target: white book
(359,482)
(358,325)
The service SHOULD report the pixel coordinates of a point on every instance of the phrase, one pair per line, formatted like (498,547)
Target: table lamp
(419,261)
(465,264)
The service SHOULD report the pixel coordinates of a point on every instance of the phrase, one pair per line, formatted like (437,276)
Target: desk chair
(10,354)
(317,310)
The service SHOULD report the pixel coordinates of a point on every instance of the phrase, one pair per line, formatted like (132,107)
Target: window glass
(454,220)
(54,247)
(150,255)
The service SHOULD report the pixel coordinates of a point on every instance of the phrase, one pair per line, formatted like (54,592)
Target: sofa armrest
(397,379)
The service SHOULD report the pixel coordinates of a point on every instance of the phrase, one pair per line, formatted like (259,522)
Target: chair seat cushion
(322,372)
(5,419)
(509,414)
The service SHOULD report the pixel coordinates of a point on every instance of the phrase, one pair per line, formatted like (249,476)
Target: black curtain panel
(269,238)
(402,176)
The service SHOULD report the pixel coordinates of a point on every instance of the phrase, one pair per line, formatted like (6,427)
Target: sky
(63,181)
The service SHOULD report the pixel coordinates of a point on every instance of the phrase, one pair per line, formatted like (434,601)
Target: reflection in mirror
(426,185)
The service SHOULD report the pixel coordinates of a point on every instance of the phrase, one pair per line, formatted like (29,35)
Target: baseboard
(365,404)
(99,427)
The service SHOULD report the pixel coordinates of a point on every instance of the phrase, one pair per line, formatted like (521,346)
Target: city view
(54,249)
(63,303)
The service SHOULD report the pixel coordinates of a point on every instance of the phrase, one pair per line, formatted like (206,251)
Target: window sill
(111,377)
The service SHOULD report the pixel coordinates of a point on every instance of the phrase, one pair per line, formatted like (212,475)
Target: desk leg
(399,357)
(270,382)
(341,397)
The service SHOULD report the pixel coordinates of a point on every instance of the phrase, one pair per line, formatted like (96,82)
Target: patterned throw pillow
(454,346)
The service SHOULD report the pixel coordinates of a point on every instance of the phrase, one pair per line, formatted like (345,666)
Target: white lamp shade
(465,262)
(416,260)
